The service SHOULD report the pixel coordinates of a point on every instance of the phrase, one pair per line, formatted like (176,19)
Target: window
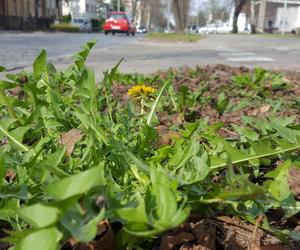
(118,16)
(87,8)
(28,8)
(15,9)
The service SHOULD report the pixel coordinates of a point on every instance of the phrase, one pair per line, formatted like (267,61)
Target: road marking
(237,54)
(281,48)
(250,59)
(234,55)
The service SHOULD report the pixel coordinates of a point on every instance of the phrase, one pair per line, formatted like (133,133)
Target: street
(18,50)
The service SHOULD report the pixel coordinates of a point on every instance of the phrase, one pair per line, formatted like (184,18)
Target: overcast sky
(195,5)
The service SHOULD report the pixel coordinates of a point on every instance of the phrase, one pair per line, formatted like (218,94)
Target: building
(272,13)
(29,14)
(81,9)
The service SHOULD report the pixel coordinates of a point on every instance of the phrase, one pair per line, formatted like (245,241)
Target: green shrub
(97,24)
(66,19)
(65,27)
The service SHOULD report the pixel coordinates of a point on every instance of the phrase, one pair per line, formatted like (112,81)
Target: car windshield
(78,20)
(118,16)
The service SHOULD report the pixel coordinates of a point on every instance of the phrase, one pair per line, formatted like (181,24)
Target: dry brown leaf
(105,237)
(15,91)
(205,233)
(166,139)
(294,181)
(69,139)
(259,111)
(169,242)
(264,108)
(83,246)
(10,174)
(272,247)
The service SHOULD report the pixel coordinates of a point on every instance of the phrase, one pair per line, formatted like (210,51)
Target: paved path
(146,57)
(235,50)
(18,50)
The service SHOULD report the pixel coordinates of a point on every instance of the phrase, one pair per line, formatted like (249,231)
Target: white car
(224,28)
(83,24)
(208,29)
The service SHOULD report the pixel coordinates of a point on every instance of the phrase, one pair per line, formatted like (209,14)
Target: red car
(119,22)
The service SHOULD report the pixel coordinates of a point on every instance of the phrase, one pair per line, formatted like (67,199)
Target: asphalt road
(19,50)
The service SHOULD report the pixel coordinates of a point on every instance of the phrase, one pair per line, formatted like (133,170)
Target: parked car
(119,22)
(141,30)
(192,29)
(224,28)
(84,25)
(208,29)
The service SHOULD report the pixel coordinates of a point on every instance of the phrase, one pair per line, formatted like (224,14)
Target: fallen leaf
(105,239)
(272,247)
(259,111)
(83,246)
(166,139)
(205,233)
(10,174)
(170,241)
(264,108)
(69,139)
(294,181)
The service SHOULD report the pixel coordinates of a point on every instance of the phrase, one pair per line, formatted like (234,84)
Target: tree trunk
(181,12)
(142,11)
(134,8)
(238,8)
(253,25)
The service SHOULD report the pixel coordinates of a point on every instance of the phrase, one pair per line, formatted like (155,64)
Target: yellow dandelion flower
(140,91)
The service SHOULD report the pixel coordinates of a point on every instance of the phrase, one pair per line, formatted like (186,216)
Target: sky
(195,5)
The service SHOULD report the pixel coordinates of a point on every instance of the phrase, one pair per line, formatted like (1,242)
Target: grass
(64,27)
(173,37)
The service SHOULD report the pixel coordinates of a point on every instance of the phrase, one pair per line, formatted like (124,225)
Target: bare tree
(181,13)
(238,9)
(219,10)
(143,6)
(134,4)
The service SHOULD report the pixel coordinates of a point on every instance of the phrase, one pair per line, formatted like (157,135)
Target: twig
(258,221)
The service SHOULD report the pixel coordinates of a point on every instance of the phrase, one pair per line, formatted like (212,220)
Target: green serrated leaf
(39,215)
(40,66)
(46,239)
(285,132)
(81,228)
(76,184)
